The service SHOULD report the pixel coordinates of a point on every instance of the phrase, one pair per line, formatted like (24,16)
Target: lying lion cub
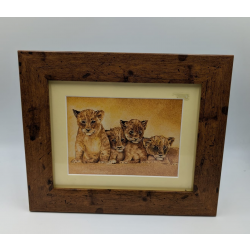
(159,149)
(92,143)
(134,131)
(118,142)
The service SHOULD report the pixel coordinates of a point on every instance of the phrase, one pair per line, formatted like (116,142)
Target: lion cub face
(158,146)
(117,139)
(134,129)
(89,121)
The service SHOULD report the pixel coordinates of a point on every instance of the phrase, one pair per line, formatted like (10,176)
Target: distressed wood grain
(213,72)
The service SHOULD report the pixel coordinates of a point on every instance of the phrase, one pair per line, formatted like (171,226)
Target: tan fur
(92,144)
(173,155)
(158,148)
(134,131)
(118,142)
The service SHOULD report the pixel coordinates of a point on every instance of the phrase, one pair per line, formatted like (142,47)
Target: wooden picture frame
(213,72)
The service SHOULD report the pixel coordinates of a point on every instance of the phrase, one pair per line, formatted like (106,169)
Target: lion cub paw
(113,161)
(124,162)
(102,162)
(146,161)
(76,161)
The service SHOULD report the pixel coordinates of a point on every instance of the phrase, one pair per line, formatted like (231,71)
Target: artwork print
(123,136)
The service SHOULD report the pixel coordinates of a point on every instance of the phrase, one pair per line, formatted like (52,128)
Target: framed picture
(124,133)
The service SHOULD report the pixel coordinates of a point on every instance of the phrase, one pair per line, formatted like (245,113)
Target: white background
(146,35)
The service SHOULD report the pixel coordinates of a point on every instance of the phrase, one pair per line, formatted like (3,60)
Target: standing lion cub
(92,144)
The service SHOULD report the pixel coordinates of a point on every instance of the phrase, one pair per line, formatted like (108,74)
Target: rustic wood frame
(213,72)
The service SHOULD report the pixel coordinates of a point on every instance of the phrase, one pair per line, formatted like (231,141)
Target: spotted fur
(92,143)
(118,142)
(173,155)
(158,147)
(134,131)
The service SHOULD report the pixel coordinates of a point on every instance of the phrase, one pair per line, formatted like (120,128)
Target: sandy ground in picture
(154,169)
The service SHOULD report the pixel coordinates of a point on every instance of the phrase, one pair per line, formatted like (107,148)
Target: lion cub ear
(76,112)
(123,123)
(144,123)
(108,132)
(99,114)
(146,141)
(171,140)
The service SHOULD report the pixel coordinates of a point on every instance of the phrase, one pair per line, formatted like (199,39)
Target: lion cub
(134,131)
(159,148)
(118,142)
(92,143)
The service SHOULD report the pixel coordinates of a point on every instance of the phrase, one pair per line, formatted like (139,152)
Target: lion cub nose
(119,147)
(88,129)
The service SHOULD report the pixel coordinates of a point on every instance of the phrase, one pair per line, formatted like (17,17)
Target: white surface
(159,35)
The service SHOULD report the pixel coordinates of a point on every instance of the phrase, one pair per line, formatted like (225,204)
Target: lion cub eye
(113,140)
(83,122)
(122,140)
(140,132)
(92,122)
(164,147)
(131,132)
(155,147)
